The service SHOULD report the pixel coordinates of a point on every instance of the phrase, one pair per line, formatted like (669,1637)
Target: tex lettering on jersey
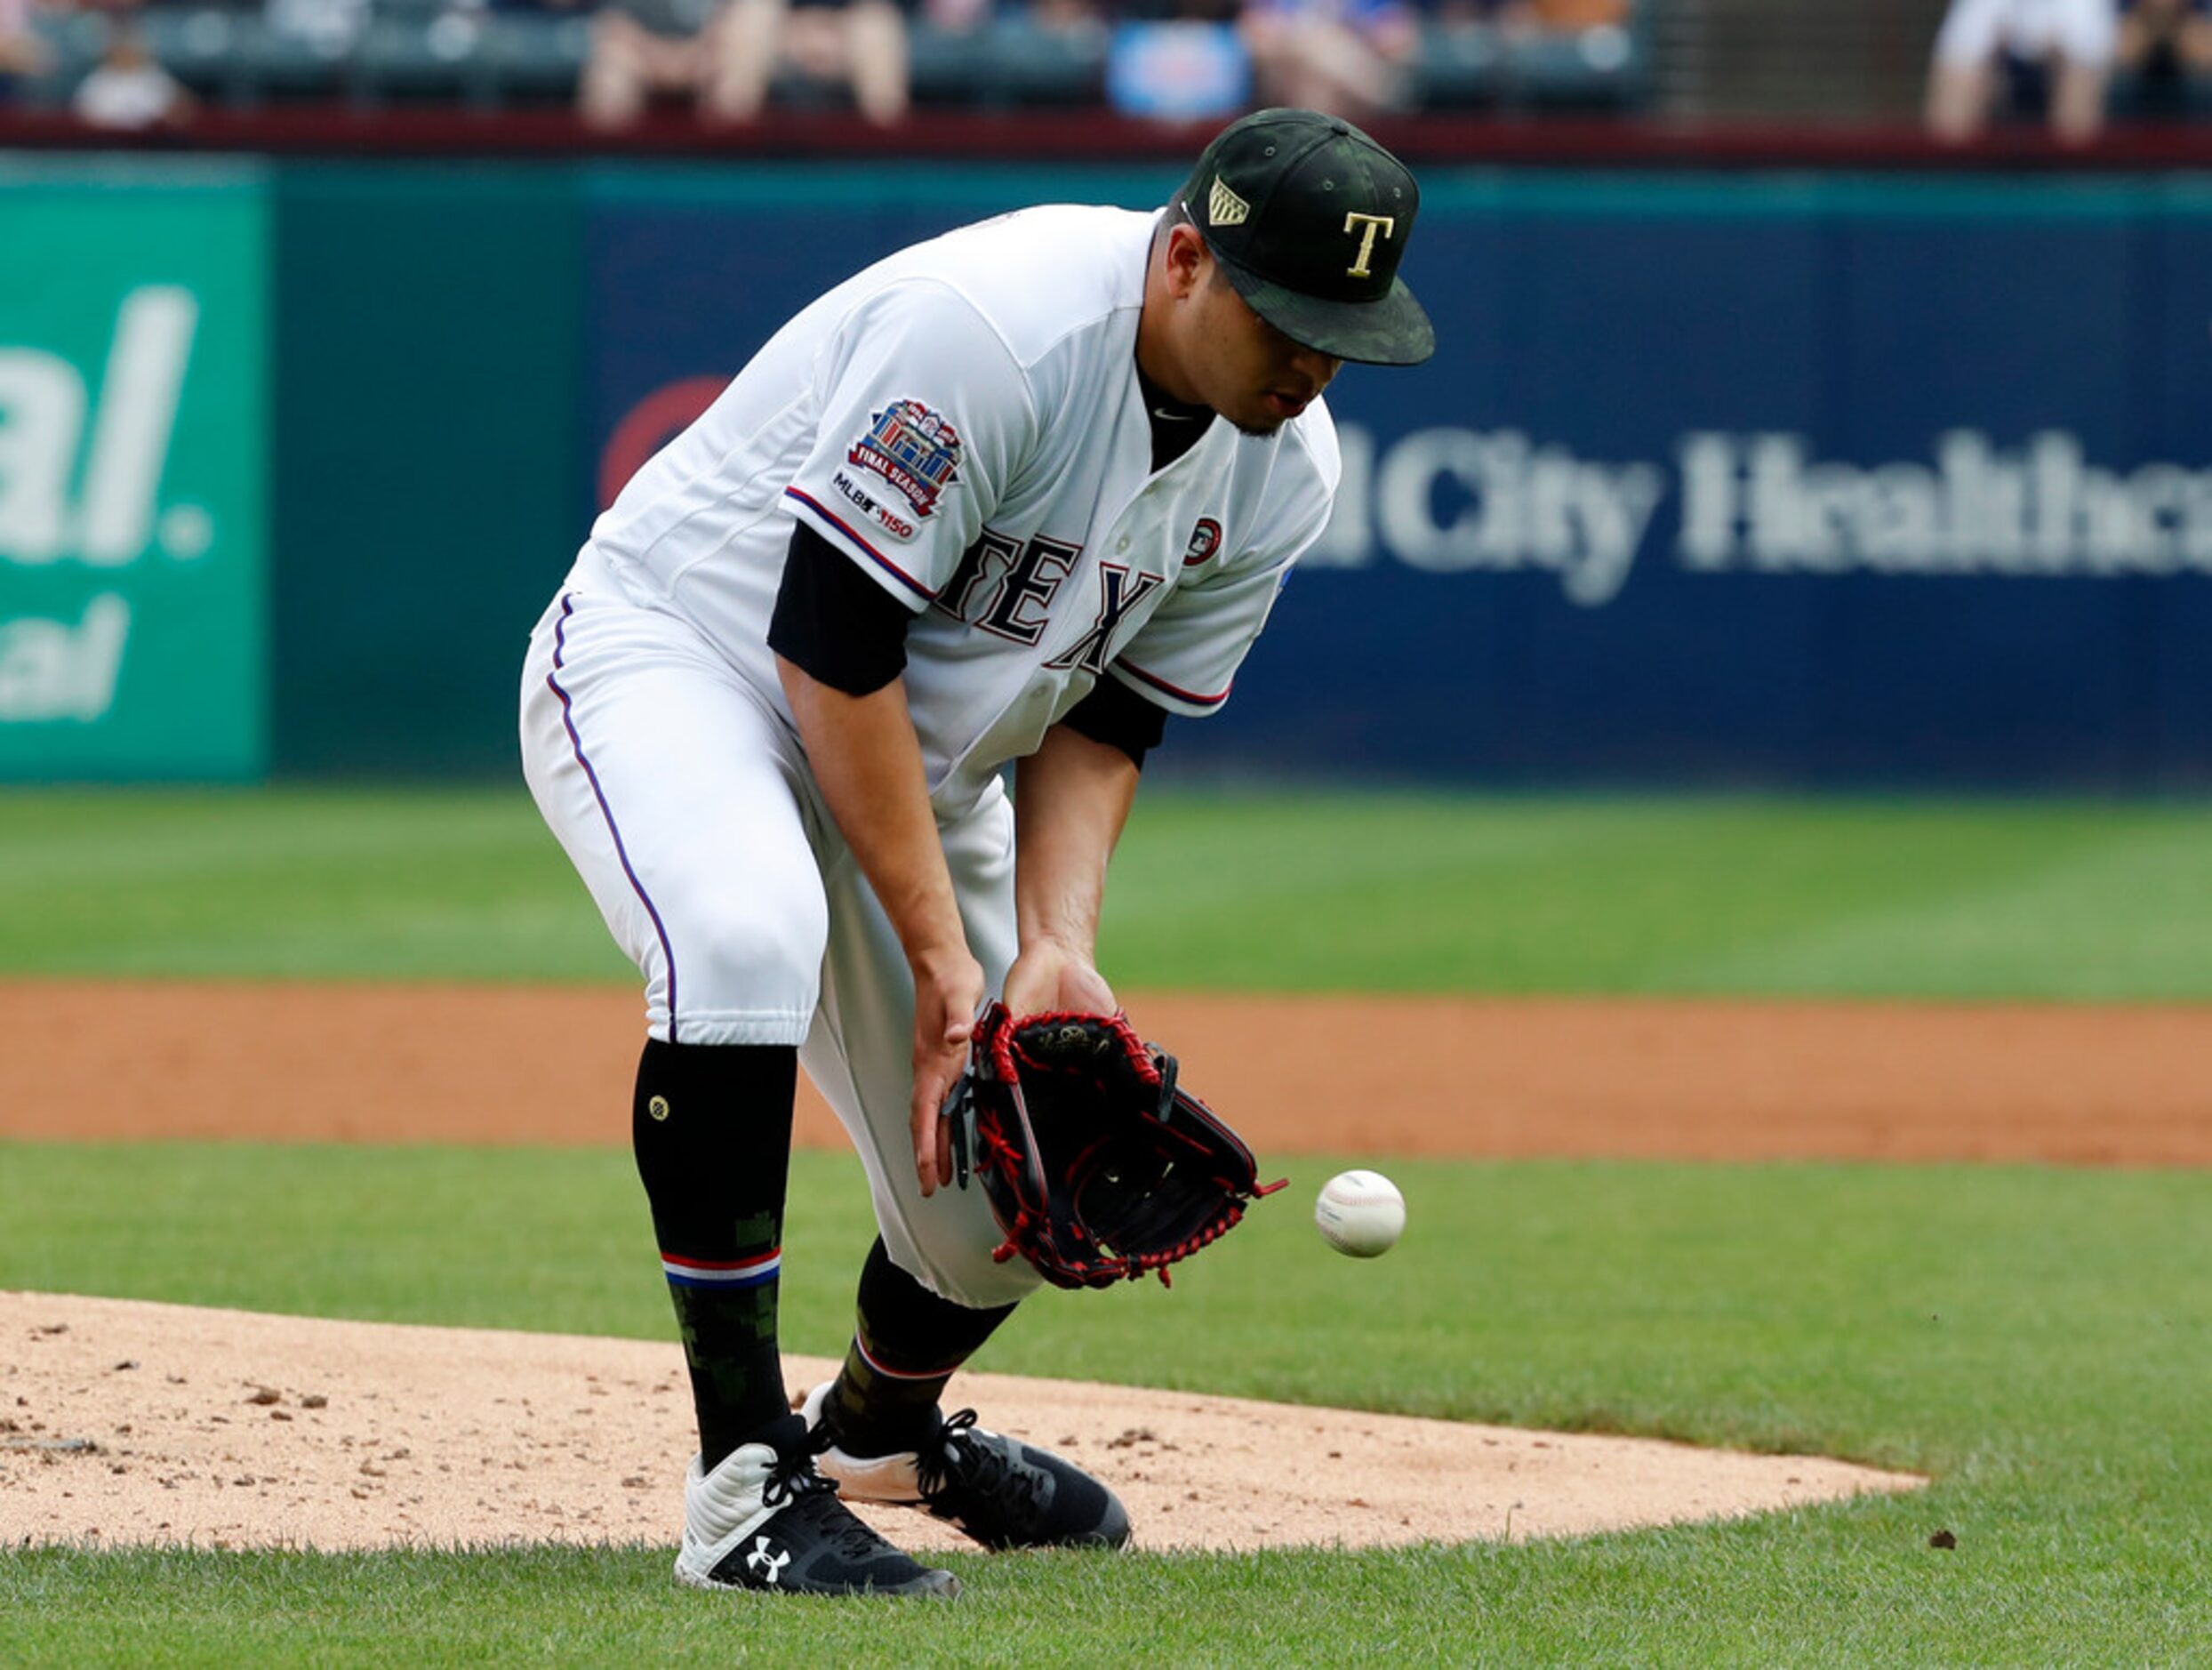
(1119,592)
(915,450)
(1007,588)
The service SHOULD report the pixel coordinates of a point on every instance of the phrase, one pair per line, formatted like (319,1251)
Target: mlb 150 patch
(867,504)
(914,449)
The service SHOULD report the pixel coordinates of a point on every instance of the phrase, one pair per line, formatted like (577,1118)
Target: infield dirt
(123,1421)
(132,1422)
(1692,1079)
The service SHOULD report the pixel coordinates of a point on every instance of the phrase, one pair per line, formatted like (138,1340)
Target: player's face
(1244,368)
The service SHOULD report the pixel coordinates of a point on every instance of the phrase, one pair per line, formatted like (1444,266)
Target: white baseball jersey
(965,421)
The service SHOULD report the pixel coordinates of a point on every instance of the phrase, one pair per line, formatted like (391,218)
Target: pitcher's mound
(123,1422)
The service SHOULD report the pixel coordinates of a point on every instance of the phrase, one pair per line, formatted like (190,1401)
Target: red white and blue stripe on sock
(725,1275)
(877,1366)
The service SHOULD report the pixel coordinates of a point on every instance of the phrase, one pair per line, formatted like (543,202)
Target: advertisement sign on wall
(1713,479)
(130,479)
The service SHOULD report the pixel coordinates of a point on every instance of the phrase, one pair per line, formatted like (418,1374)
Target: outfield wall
(1745,478)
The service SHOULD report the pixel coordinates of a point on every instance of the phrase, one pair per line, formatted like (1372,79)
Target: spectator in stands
(641,49)
(1350,57)
(727,58)
(126,89)
(859,45)
(2057,53)
(22,54)
(2164,45)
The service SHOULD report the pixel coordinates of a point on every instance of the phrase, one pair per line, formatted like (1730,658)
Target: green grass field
(2037,1339)
(1384,893)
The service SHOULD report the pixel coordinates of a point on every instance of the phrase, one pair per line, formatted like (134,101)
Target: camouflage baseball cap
(1309,217)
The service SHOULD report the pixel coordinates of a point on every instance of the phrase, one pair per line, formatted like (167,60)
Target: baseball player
(1013,494)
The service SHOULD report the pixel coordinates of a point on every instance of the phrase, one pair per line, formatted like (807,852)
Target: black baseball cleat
(1002,1492)
(769,1521)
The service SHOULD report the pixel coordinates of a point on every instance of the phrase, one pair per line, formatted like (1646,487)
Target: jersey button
(1122,543)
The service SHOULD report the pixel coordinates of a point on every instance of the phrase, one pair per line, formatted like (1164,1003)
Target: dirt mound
(122,1422)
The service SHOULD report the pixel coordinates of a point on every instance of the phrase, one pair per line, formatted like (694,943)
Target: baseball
(1360,1213)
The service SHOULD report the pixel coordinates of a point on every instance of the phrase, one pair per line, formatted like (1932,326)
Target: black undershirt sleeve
(1119,717)
(835,623)
(843,629)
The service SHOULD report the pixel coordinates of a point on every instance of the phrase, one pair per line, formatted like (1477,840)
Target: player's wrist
(939,961)
(1061,945)
(1051,974)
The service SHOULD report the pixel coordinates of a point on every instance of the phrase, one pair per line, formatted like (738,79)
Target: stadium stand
(1475,55)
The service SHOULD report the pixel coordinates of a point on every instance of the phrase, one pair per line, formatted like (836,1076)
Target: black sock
(907,1346)
(710,1125)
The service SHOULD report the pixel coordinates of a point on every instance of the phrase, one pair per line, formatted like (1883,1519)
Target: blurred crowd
(139,63)
(2070,64)
(2074,65)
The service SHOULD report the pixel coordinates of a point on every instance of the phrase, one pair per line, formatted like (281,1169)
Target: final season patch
(914,449)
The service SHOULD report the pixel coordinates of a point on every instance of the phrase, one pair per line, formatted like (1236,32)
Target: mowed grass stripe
(2052,923)
(328,884)
(1851,1586)
(2036,1338)
(1262,892)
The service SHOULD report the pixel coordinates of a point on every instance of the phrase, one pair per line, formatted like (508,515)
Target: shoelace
(959,1460)
(793,1480)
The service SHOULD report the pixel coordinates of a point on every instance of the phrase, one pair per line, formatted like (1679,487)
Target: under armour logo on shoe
(766,1559)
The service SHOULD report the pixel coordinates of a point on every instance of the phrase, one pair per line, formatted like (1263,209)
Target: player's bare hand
(948,991)
(1051,974)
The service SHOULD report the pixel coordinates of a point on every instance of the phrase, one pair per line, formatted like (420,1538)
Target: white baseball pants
(684,800)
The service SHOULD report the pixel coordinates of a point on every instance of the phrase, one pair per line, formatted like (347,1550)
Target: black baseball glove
(1097,1167)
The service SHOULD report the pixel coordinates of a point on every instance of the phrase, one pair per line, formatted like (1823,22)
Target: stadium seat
(419,59)
(238,59)
(1046,67)
(1460,67)
(533,60)
(73,41)
(197,44)
(1598,68)
(1467,66)
(1007,62)
(943,65)
(2136,98)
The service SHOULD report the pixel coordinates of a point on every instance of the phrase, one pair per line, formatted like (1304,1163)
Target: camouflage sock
(710,1126)
(905,1348)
